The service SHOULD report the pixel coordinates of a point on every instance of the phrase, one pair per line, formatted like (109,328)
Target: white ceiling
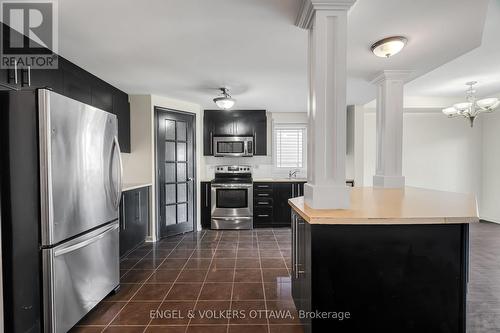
(186,48)
(481,64)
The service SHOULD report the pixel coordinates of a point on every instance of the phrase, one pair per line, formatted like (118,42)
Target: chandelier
(473,107)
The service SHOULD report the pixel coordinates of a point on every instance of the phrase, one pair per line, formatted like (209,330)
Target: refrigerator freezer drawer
(77,275)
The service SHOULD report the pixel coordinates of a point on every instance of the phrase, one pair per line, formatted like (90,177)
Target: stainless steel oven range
(232,197)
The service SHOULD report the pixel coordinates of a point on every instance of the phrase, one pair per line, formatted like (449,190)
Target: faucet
(292,173)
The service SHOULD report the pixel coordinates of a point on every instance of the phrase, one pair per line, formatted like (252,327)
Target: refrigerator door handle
(118,190)
(87,242)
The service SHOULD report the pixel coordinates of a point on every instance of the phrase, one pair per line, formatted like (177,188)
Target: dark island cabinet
(408,278)
(134,219)
(235,123)
(206,205)
(72,81)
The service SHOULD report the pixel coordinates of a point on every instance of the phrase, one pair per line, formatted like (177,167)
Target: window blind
(289,146)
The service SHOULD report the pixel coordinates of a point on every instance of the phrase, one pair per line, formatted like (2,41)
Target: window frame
(276,126)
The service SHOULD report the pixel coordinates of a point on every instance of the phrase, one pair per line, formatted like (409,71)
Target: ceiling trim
(309,7)
(395,75)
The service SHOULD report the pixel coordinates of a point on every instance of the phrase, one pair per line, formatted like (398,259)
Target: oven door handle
(233,186)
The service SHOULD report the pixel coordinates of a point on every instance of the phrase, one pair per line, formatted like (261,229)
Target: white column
(389,172)
(327,111)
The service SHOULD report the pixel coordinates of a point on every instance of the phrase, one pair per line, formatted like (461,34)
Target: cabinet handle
(206,195)
(263,195)
(123,213)
(293,190)
(29,76)
(211,143)
(15,72)
(139,207)
(296,246)
(263,215)
(255,142)
(262,202)
(263,186)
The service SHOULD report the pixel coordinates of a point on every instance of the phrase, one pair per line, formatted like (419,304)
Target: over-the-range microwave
(233,146)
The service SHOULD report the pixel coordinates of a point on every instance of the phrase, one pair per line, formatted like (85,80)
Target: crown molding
(399,75)
(309,7)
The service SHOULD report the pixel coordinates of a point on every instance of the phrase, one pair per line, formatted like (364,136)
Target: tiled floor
(235,275)
(245,270)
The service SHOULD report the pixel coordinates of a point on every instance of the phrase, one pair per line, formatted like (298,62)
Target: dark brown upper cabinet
(235,123)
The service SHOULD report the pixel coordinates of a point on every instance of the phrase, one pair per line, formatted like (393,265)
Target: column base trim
(388,181)
(327,197)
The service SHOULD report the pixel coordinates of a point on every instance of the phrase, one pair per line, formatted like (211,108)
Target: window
(290,146)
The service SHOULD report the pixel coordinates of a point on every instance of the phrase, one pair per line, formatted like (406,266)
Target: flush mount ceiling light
(473,107)
(225,101)
(389,46)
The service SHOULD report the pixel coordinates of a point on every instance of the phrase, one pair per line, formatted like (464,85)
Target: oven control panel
(233,169)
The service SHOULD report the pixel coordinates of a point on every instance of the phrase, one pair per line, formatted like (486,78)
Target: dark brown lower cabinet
(271,207)
(206,205)
(408,278)
(134,219)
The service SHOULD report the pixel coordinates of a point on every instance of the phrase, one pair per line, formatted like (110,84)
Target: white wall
(139,165)
(490,194)
(438,153)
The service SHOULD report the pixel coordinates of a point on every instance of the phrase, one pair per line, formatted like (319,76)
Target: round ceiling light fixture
(225,101)
(389,46)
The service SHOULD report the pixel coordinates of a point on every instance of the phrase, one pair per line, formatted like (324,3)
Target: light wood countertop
(410,205)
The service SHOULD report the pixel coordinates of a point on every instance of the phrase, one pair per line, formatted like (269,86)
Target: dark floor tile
(220,275)
(264,253)
(248,291)
(248,275)
(273,263)
(225,254)
(275,275)
(204,309)
(286,329)
(247,307)
(152,292)
(136,276)
(192,275)
(124,293)
(247,329)
(216,291)
(247,263)
(242,254)
(128,263)
(172,313)
(124,329)
(148,263)
(278,291)
(203,254)
(184,291)
(164,275)
(166,329)
(138,253)
(195,263)
(223,263)
(180,254)
(173,263)
(87,329)
(159,253)
(135,313)
(207,329)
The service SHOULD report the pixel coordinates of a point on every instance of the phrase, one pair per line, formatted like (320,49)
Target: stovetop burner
(233,174)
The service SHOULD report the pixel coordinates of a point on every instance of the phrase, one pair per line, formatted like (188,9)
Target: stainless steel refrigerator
(60,197)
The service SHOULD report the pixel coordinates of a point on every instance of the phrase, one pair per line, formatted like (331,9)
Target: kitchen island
(396,261)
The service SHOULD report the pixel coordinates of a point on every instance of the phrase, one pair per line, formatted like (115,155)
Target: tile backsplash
(262,166)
